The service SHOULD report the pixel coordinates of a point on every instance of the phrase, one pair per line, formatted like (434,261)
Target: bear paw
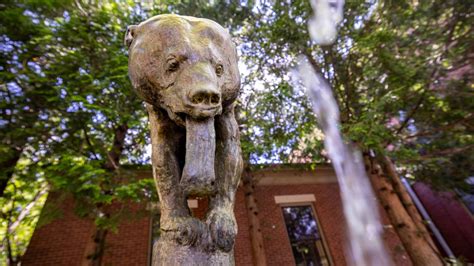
(187,230)
(223,229)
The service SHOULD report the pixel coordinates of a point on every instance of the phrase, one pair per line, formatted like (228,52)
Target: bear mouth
(195,151)
(201,114)
(180,119)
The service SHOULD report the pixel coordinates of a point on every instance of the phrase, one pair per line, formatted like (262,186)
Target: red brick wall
(67,239)
(331,221)
(130,245)
(201,211)
(329,213)
(61,242)
(452,219)
(64,241)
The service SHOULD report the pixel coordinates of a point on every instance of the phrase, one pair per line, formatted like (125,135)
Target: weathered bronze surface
(185,69)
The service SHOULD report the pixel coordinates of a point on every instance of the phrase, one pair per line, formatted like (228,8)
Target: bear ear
(129,35)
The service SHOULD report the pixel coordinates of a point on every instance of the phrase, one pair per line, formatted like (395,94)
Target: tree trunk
(25,212)
(12,261)
(99,240)
(113,156)
(389,169)
(256,237)
(95,248)
(418,248)
(8,167)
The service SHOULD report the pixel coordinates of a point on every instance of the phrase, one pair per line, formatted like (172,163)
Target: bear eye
(173,65)
(219,70)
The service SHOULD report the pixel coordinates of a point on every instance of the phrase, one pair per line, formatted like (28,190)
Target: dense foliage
(70,121)
(401,73)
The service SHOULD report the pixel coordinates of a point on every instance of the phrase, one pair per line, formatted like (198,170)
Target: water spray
(360,208)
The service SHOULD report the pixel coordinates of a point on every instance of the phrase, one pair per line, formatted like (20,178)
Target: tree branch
(445,152)
(25,211)
(433,77)
(113,156)
(89,143)
(412,113)
(438,129)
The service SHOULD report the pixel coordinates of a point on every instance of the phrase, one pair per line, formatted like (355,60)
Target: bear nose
(205,96)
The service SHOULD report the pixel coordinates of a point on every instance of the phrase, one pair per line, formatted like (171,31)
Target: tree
(69,106)
(70,118)
(390,69)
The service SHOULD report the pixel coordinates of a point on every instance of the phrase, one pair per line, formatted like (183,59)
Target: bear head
(184,65)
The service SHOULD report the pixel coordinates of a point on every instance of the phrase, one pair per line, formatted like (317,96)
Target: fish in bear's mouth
(197,160)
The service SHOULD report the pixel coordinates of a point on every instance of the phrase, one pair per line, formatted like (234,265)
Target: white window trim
(300,198)
(192,203)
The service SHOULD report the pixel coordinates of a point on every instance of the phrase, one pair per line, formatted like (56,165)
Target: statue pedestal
(166,253)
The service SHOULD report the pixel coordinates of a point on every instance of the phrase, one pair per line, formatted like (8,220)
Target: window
(305,237)
(467,196)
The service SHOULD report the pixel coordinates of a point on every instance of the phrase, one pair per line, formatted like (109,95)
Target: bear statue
(185,70)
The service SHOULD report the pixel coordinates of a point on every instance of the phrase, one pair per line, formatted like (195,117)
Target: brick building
(452,213)
(283,196)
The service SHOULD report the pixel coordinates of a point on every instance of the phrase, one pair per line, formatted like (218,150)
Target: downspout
(428,220)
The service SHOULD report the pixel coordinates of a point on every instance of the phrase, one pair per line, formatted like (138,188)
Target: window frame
(318,224)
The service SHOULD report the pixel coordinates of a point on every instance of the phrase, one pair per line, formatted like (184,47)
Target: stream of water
(360,208)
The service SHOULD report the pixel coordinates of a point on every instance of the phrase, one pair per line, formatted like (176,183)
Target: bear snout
(204,101)
(207,98)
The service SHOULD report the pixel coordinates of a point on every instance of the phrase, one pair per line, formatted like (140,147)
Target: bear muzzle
(203,101)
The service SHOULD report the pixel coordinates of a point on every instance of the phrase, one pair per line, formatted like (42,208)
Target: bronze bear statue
(185,69)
